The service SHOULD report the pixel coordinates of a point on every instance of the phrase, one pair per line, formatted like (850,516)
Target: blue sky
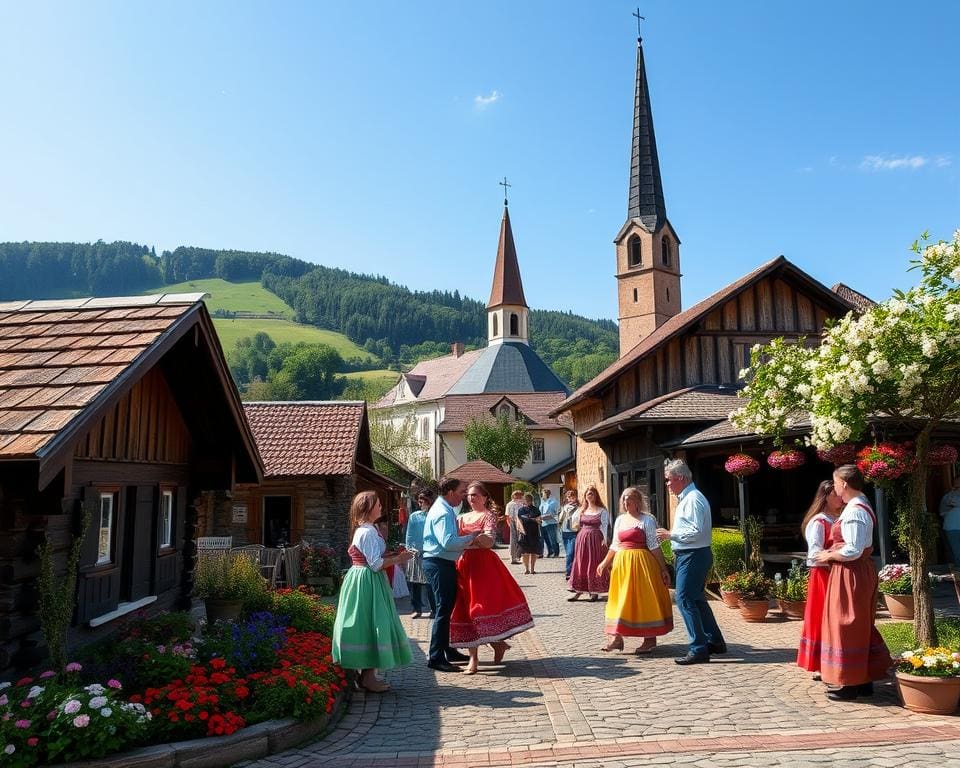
(372,135)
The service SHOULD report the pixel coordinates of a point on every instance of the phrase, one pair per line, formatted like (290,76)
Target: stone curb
(250,743)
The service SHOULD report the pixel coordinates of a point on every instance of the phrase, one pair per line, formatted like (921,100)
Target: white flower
(98,701)
(106,712)
(35,691)
(9,749)
(72,706)
(95,688)
(5,685)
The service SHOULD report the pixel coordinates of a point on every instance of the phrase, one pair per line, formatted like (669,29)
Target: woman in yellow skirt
(638,604)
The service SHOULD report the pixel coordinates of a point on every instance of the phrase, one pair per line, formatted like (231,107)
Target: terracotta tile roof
(459,409)
(439,375)
(308,438)
(56,357)
(686,319)
(481,471)
(705,403)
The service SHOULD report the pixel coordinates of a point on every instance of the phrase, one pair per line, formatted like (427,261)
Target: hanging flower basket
(941,456)
(845,453)
(741,465)
(790,459)
(886,461)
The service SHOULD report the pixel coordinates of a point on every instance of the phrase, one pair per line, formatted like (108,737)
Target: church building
(506,377)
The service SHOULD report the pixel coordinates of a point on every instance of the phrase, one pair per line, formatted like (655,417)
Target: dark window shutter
(90,503)
(98,591)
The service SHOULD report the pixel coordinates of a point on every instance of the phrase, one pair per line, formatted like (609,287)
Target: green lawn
(285,331)
(899,636)
(380,373)
(234,297)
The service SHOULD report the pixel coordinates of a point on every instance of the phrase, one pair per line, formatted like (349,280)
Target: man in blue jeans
(548,524)
(441,549)
(567,532)
(693,557)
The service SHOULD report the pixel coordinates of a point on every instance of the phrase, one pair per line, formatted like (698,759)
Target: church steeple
(507,309)
(648,249)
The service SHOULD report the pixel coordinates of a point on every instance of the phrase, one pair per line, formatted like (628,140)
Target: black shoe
(455,656)
(865,690)
(817,678)
(717,649)
(846,693)
(442,666)
(693,658)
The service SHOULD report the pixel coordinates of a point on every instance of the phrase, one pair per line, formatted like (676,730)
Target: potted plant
(896,586)
(928,680)
(226,582)
(755,591)
(791,591)
(730,589)
(319,567)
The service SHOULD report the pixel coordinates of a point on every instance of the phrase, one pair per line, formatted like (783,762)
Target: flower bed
(264,667)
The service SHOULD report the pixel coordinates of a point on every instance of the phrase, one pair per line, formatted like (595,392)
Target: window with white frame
(537,450)
(105,540)
(166,519)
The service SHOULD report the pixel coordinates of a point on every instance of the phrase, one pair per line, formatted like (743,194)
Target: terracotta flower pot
(929,695)
(899,606)
(754,610)
(730,599)
(792,609)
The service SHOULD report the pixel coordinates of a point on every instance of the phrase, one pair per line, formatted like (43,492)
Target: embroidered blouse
(368,541)
(625,522)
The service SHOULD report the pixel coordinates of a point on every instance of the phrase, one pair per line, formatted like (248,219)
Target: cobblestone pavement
(559,701)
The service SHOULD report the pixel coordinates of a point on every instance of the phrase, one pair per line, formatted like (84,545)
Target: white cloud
(482,102)
(943,161)
(883,163)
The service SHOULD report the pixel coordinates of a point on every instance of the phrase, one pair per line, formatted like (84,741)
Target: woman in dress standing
(590,548)
(528,519)
(639,601)
(367,634)
(416,579)
(852,652)
(490,605)
(816,527)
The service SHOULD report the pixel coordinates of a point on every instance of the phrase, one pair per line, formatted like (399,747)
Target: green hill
(282,331)
(247,297)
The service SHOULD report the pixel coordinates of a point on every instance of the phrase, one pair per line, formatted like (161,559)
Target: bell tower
(647,247)
(507,310)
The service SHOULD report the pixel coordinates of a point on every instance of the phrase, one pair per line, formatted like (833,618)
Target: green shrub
(304,611)
(231,576)
(793,588)
(754,586)
(727,545)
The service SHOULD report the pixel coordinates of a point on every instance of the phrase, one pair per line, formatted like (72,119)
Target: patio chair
(214,543)
(291,566)
(270,564)
(256,550)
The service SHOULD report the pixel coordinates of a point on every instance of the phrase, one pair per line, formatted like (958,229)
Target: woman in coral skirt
(639,601)
(490,605)
(816,528)
(590,548)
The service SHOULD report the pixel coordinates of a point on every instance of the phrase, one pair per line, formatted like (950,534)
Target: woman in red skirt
(816,527)
(852,652)
(490,605)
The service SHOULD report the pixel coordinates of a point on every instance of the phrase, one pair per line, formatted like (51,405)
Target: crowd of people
(475,601)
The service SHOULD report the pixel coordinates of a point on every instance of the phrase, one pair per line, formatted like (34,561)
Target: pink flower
(33,741)
(74,667)
(72,706)
(22,724)
(3,700)
(48,673)
(81,721)
(114,684)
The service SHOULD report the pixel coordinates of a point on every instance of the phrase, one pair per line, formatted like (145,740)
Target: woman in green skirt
(367,634)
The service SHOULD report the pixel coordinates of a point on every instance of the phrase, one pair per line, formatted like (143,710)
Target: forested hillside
(391,321)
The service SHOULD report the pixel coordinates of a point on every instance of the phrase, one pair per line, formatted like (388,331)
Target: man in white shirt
(691,540)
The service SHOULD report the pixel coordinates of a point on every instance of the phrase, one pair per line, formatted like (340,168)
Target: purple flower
(81,721)
(72,706)
(98,701)
(74,667)
(3,700)
(48,673)
(22,724)
(114,684)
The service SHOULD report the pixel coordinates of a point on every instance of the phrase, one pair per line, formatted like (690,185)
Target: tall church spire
(646,190)
(648,249)
(507,309)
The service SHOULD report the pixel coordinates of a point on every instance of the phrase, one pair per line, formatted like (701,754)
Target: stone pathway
(558,701)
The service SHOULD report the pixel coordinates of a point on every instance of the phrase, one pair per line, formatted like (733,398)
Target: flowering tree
(900,360)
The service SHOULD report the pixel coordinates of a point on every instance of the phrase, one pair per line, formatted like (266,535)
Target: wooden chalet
(316,456)
(121,409)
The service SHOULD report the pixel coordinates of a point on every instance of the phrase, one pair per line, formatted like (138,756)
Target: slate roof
(58,357)
(507,287)
(460,409)
(696,404)
(481,471)
(646,202)
(307,438)
(507,367)
(685,320)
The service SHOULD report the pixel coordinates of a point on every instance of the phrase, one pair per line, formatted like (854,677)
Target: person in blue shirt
(548,524)
(414,543)
(441,549)
(690,540)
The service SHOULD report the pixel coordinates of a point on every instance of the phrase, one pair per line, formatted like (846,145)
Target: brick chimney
(456,348)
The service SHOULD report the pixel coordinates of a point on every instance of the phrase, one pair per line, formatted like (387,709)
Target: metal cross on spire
(639,19)
(506,185)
